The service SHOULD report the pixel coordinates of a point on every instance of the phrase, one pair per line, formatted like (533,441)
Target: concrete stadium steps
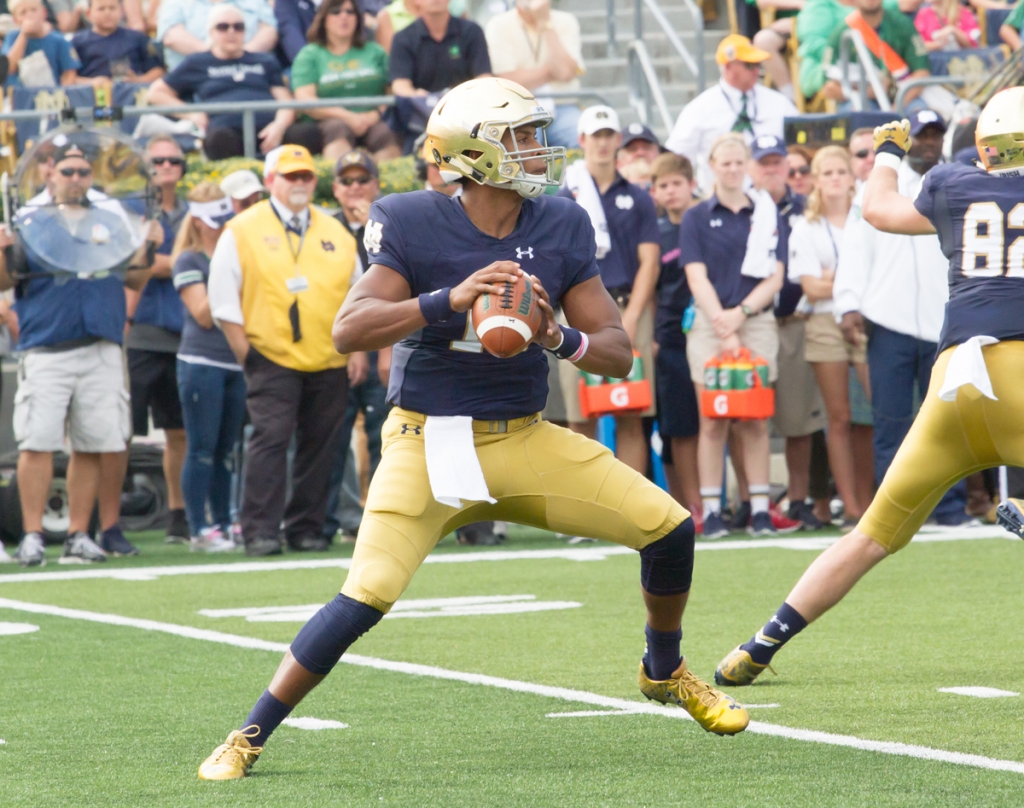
(607,73)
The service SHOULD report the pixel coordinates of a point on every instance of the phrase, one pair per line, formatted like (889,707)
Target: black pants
(282,401)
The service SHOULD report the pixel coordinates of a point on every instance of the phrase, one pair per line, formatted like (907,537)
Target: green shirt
(899,33)
(358,71)
(1016,18)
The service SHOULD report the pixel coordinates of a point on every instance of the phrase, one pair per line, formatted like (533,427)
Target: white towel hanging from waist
(453,467)
(967,366)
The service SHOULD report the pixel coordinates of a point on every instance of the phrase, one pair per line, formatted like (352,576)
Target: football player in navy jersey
(972,416)
(430,257)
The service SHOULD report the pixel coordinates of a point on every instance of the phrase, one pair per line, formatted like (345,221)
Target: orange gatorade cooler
(743,392)
(616,396)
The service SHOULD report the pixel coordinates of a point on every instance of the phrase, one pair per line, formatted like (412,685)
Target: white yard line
(590,553)
(546,691)
(979,692)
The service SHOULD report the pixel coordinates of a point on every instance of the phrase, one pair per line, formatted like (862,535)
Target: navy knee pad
(329,633)
(666,566)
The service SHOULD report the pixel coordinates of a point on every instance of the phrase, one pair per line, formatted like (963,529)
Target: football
(505,323)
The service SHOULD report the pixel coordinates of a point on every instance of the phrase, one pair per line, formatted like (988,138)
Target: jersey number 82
(997,258)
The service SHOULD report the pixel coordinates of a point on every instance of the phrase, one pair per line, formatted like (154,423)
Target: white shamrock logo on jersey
(372,235)
(624,202)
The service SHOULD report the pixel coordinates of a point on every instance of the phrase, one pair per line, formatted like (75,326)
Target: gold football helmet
(1000,133)
(466,127)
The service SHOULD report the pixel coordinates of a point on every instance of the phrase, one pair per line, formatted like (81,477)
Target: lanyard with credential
(835,250)
(298,283)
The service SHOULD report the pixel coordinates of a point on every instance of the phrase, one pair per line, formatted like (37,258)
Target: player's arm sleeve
(385,244)
(803,257)
(690,251)
(186,271)
(225,285)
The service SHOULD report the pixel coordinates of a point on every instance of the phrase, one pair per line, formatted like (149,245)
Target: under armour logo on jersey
(411,429)
(327,245)
(528,252)
(715,223)
(624,202)
(372,235)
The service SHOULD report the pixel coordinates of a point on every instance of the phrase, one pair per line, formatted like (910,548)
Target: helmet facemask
(493,164)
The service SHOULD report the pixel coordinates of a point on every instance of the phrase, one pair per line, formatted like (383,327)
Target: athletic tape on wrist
(572,342)
(889,160)
(436,307)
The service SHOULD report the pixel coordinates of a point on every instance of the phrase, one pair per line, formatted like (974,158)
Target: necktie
(743,122)
(295,225)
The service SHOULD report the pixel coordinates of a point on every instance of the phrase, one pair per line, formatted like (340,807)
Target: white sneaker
(32,551)
(4,558)
(211,540)
(81,549)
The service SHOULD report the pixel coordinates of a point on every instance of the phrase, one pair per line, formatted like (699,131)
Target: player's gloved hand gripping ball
(893,138)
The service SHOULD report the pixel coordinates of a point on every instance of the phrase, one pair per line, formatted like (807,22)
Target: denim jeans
(212,406)
(899,366)
(563,132)
(369,397)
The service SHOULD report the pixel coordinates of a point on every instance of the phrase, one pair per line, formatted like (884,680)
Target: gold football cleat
(711,709)
(232,759)
(738,669)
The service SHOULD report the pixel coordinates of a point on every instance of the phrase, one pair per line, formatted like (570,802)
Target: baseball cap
(270,162)
(737,48)
(637,131)
(923,118)
(596,118)
(357,158)
(241,184)
(765,145)
(295,158)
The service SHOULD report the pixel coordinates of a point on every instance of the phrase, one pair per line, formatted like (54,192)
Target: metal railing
(928,81)
(645,93)
(247,109)
(859,99)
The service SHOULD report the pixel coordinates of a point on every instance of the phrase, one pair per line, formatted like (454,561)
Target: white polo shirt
(713,113)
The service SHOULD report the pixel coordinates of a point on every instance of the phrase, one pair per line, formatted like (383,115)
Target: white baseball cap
(241,184)
(596,118)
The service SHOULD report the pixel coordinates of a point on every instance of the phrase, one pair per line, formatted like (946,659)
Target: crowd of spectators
(720,240)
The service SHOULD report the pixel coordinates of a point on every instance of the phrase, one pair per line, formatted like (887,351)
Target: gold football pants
(948,441)
(541,474)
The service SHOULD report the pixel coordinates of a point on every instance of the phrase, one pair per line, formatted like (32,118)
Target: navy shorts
(678,415)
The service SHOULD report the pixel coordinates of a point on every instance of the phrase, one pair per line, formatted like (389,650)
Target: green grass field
(462,709)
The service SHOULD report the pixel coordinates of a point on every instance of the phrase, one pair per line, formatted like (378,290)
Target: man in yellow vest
(279,274)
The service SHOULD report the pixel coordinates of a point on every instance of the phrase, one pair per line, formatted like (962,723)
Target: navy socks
(785,624)
(662,656)
(267,714)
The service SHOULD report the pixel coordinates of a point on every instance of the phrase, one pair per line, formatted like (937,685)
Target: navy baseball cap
(637,131)
(765,145)
(923,118)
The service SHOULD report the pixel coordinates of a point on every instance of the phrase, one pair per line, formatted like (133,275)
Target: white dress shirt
(224,287)
(894,280)
(713,113)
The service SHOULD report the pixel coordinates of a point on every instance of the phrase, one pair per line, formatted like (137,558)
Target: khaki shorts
(82,390)
(758,335)
(825,342)
(569,374)
(799,408)
(540,474)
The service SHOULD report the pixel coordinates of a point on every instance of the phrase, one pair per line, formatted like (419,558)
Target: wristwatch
(747,311)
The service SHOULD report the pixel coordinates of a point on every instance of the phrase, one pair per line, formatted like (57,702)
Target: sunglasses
(299,176)
(751,65)
(862,154)
(224,27)
(81,172)
(334,12)
(803,171)
(174,161)
(365,179)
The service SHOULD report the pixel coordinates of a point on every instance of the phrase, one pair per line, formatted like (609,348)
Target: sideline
(565,694)
(598,552)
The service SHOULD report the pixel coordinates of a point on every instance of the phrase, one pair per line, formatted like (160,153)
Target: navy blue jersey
(673,292)
(979,218)
(98,51)
(429,240)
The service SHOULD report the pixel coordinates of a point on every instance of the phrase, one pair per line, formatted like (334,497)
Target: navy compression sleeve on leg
(329,633)
(666,566)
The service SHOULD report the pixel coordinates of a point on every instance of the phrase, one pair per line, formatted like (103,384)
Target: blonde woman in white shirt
(813,258)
